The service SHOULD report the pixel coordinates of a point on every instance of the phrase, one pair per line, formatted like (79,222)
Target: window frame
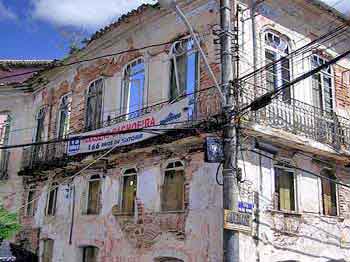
(87,96)
(40,111)
(52,246)
(329,174)
(122,182)
(287,166)
(5,135)
(124,110)
(174,67)
(32,202)
(55,191)
(174,168)
(59,116)
(279,54)
(93,178)
(322,73)
(84,250)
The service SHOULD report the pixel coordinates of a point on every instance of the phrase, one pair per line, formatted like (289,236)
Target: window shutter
(173,190)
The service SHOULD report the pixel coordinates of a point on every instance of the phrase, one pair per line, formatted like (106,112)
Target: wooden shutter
(173,190)
(329,196)
(94,197)
(129,193)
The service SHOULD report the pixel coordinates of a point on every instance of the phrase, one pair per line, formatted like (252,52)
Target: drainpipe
(72,218)
(255,49)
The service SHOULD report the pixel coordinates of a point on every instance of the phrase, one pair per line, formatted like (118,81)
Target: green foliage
(9,225)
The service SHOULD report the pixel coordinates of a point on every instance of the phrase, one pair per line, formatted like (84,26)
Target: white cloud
(6,14)
(88,14)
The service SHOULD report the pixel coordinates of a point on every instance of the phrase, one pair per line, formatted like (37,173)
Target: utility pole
(229,84)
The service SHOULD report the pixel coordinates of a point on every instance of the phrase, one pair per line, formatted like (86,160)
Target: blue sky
(44,29)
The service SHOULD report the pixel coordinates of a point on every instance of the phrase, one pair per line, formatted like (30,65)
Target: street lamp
(172,4)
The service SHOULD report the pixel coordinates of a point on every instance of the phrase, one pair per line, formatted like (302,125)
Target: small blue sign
(74,146)
(245,207)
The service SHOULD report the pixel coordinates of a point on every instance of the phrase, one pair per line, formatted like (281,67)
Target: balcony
(4,160)
(305,120)
(44,156)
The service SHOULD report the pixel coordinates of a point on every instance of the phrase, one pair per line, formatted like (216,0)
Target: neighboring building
(154,198)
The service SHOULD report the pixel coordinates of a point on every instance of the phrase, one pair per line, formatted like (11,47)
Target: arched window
(64,111)
(284,186)
(133,88)
(52,199)
(129,193)
(94,195)
(329,193)
(173,189)
(4,139)
(30,210)
(94,104)
(276,48)
(47,253)
(184,68)
(322,85)
(90,254)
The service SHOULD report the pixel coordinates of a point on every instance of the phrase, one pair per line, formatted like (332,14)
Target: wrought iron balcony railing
(303,119)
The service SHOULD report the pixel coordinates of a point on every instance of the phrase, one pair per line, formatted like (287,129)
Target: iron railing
(44,155)
(4,160)
(303,119)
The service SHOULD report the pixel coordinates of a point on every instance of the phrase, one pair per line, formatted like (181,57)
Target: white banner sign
(167,117)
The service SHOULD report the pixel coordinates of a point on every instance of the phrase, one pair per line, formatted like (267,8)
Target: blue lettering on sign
(170,118)
(74,146)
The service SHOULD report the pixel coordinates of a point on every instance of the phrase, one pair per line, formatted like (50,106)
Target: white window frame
(329,74)
(124,109)
(59,116)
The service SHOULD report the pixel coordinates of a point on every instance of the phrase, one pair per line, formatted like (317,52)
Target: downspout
(72,218)
(255,45)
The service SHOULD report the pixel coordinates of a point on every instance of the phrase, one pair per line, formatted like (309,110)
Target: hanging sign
(167,118)
(237,221)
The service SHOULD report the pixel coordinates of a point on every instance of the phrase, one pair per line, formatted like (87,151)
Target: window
(4,138)
(184,68)
(173,187)
(64,115)
(52,200)
(276,48)
(30,211)
(322,86)
(129,181)
(90,254)
(39,150)
(329,193)
(94,103)
(47,254)
(94,195)
(134,88)
(284,187)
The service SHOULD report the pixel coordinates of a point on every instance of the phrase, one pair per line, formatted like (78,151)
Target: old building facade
(154,197)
